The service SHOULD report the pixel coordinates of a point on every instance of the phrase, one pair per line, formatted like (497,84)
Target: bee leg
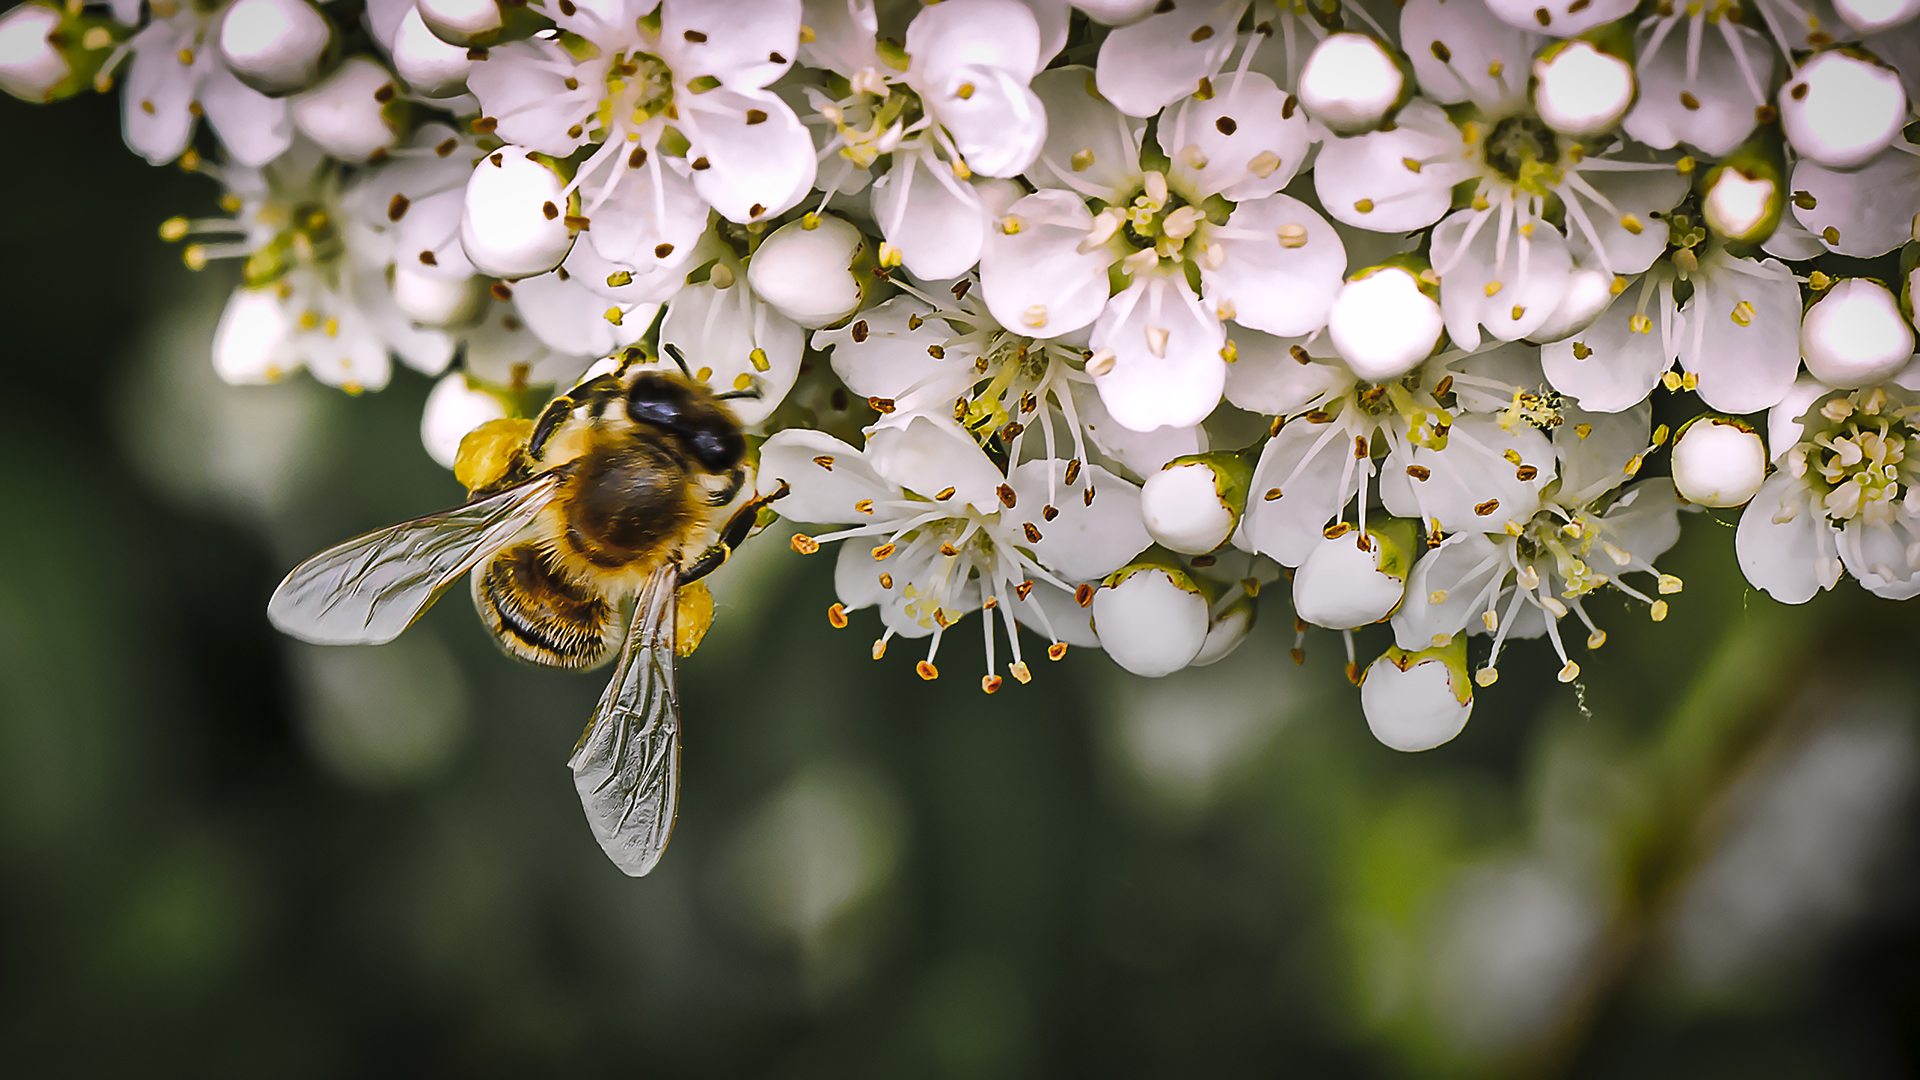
(735,481)
(732,535)
(595,392)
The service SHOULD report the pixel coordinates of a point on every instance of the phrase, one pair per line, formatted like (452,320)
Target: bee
(629,486)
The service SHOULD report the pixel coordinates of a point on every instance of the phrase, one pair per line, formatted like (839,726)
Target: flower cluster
(1109,318)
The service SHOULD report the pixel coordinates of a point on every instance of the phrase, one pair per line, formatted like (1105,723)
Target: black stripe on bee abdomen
(538,615)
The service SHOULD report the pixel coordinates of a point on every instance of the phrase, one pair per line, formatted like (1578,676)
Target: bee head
(691,412)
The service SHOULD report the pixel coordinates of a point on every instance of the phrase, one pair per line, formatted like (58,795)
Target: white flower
(1351,580)
(927,555)
(1588,532)
(1350,83)
(1272,264)
(1701,87)
(431,66)
(1419,700)
(1844,497)
(674,107)
(1152,619)
(176,75)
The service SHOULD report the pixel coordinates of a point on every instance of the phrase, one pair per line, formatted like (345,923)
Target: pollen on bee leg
(837,616)
(1056,650)
(1018,669)
(926,670)
(804,544)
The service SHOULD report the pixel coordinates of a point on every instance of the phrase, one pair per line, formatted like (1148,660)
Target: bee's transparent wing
(369,589)
(627,764)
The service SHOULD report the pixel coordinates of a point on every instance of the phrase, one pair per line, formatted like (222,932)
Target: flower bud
(1352,83)
(1842,107)
(430,65)
(437,299)
(1193,504)
(1741,204)
(1343,585)
(807,270)
(1718,461)
(1579,89)
(251,337)
(514,224)
(1151,618)
(47,54)
(1228,631)
(455,407)
(275,46)
(1873,16)
(1855,335)
(480,23)
(354,113)
(1385,321)
(1416,701)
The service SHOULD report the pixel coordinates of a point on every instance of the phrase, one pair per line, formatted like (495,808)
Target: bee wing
(369,589)
(627,763)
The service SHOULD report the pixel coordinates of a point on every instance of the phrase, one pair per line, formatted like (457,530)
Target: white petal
(1878,555)
(1162,58)
(159,91)
(1620,366)
(651,216)
(1140,452)
(1167,369)
(1783,420)
(1365,181)
(1303,463)
(1036,280)
(820,491)
(1342,587)
(756,168)
(570,318)
(746,44)
(956,34)
(1149,623)
(888,357)
(1745,362)
(1090,145)
(1725,113)
(253,127)
(1841,110)
(250,344)
(929,455)
(1084,541)
(1718,463)
(1870,209)
(935,219)
(1486,285)
(1561,18)
(996,122)
(506,229)
(1244,142)
(1283,266)
(1266,377)
(1383,325)
(344,114)
(1645,196)
(523,86)
(807,273)
(1446,590)
(453,408)
(1594,449)
(1473,486)
(1784,542)
(1473,40)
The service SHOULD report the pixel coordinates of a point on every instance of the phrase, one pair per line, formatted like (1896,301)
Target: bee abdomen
(539,615)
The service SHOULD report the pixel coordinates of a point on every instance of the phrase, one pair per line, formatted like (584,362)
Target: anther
(989,683)
(1056,650)
(1486,676)
(1050,512)
(883,552)
(1018,669)
(926,670)
(944,495)
(804,544)
(1006,494)
(1487,507)
(1032,534)
(837,616)
(1083,594)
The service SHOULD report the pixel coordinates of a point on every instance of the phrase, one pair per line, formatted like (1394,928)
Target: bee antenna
(749,392)
(673,353)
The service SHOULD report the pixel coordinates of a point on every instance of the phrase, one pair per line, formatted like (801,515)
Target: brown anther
(1272,494)
(551,211)
(804,544)
(1203,561)
(880,405)
(701,164)
(638,158)
(860,331)
(886,581)
(837,616)
(1033,534)
(1049,512)
(694,36)
(1021,590)
(1073,470)
(397,208)
(578,222)
(989,683)
(949,550)
(1444,386)
(926,670)
(1487,507)
(477,52)
(1226,125)
(944,495)
(1083,594)
(883,552)
(501,291)
(1526,472)
(1336,530)
(1089,499)
(446,147)
(1353,673)
(384,94)
(485,126)
(825,461)
(1006,493)
(1299,656)
(1056,650)
(427,258)
(1419,472)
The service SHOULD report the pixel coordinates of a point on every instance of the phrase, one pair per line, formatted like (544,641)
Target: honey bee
(629,486)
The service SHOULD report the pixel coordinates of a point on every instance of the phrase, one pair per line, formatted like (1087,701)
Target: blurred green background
(223,853)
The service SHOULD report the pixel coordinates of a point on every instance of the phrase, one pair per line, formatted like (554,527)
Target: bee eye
(718,450)
(670,415)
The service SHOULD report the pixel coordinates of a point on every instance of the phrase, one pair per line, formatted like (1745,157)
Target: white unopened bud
(461,22)
(347,115)
(1350,83)
(1855,335)
(1382,324)
(1740,207)
(1416,701)
(1229,630)
(437,299)
(1718,461)
(1152,620)
(1588,294)
(250,340)
(454,408)
(807,273)
(1342,586)
(274,46)
(1840,109)
(1116,12)
(1579,90)
(1872,16)
(31,67)
(1193,504)
(514,224)
(430,65)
